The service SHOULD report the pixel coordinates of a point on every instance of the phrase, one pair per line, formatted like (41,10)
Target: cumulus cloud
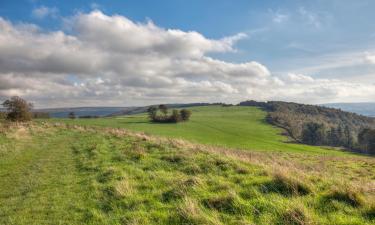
(112,60)
(369,58)
(43,11)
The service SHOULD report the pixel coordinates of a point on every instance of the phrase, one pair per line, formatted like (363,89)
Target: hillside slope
(55,174)
(317,125)
(236,127)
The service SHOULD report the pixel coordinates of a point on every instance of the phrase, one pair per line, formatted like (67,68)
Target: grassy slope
(55,175)
(236,127)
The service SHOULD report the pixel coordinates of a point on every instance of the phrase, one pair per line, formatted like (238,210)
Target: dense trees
(366,140)
(18,109)
(313,134)
(163,117)
(317,125)
(152,112)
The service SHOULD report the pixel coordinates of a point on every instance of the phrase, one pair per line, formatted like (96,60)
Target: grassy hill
(57,174)
(235,127)
(225,166)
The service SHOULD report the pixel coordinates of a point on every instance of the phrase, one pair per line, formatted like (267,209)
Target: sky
(132,53)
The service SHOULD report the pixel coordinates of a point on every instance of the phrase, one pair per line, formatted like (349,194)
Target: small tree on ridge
(18,109)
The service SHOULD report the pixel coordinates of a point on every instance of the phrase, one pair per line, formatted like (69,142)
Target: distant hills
(83,111)
(106,111)
(366,108)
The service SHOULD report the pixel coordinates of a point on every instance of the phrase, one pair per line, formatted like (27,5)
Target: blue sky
(319,39)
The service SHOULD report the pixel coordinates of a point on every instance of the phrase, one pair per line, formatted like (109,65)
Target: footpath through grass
(65,175)
(39,182)
(234,127)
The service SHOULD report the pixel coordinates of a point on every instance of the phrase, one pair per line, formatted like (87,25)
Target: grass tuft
(286,185)
(124,188)
(173,194)
(297,215)
(370,212)
(227,203)
(189,212)
(192,169)
(347,195)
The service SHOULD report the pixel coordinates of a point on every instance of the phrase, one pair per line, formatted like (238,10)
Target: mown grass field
(58,174)
(235,127)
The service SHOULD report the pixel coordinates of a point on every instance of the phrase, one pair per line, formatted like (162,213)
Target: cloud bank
(111,60)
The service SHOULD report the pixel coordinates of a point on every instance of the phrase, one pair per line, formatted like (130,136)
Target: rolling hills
(235,127)
(225,166)
(363,108)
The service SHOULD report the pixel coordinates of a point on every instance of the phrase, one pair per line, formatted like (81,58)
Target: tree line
(319,125)
(160,114)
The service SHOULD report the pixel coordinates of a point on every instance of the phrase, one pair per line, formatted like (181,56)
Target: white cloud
(280,18)
(43,11)
(369,58)
(111,60)
(299,78)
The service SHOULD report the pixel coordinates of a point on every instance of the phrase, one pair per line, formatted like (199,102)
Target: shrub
(72,115)
(185,114)
(152,112)
(175,117)
(18,109)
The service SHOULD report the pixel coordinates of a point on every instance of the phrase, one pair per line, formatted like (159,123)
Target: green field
(54,174)
(92,171)
(234,127)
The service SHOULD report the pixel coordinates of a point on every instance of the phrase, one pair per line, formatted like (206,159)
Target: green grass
(234,127)
(58,175)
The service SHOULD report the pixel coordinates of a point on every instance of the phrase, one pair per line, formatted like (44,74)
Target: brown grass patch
(297,215)
(346,194)
(124,188)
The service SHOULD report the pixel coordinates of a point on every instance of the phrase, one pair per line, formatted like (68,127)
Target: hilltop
(58,174)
